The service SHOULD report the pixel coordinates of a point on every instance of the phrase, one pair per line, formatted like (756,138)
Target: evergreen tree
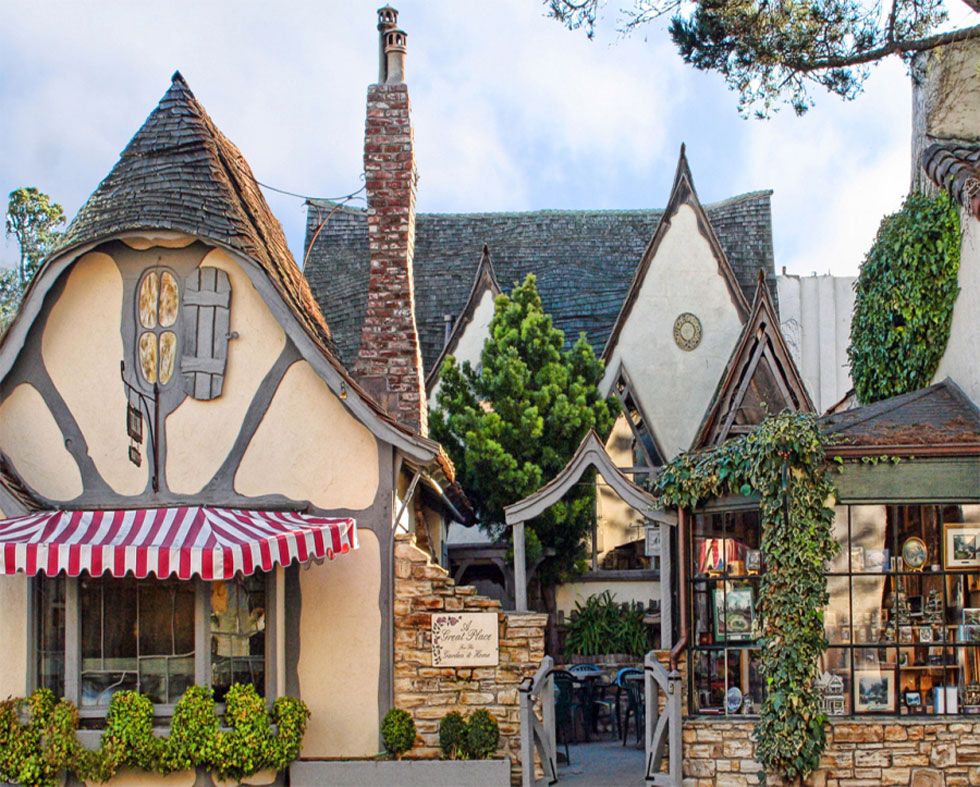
(513,423)
(34,221)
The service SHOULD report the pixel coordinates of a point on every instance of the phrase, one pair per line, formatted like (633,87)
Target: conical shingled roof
(179,172)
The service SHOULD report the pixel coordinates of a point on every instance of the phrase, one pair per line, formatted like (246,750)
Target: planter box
(404,773)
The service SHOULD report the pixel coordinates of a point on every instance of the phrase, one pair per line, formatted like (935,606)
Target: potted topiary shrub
(398,732)
(452,735)
(482,735)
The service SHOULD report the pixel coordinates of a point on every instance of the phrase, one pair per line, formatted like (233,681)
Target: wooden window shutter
(205,314)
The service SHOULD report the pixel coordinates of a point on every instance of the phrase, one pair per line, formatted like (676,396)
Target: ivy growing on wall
(39,742)
(905,295)
(783,462)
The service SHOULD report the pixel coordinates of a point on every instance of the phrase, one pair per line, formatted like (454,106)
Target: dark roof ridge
(734,200)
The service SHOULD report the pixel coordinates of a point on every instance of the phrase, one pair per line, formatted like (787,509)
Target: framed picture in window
(874,691)
(734,613)
(971,616)
(961,542)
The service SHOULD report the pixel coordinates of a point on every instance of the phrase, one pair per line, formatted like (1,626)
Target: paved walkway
(602,763)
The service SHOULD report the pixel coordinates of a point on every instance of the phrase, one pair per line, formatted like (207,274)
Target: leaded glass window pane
(238,633)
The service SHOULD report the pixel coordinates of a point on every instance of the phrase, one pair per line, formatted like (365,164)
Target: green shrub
(193,731)
(398,732)
(482,734)
(904,298)
(43,747)
(603,626)
(452,735)
(128,736)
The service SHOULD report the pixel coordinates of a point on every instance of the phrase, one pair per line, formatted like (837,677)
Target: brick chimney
(389,363)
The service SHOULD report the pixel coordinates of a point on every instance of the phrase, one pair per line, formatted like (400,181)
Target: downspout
(682,559)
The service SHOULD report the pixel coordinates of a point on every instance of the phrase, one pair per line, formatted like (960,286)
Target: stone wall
(428,692)
(923,752)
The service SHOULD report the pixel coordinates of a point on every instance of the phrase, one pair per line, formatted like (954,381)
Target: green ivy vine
(783,462)
(39,741)
(904,299)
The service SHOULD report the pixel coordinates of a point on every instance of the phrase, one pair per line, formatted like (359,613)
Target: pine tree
(513,423)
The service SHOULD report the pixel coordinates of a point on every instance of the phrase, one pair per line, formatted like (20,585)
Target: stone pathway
(602,763)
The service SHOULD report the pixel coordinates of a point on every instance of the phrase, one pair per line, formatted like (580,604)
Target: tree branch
(891,48)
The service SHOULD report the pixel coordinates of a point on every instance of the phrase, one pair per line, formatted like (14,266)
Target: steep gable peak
(682,193)
(761,370)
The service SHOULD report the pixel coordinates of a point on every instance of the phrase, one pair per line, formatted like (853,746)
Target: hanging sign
(652,544)
(465,639)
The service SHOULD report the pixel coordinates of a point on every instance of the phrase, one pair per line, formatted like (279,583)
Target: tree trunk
(549,596)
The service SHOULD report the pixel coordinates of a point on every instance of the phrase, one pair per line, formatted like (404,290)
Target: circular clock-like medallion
(687,331)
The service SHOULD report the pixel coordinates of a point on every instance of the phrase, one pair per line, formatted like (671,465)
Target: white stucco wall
(200,435)
(471,341)
(675,386)
(961,361)
(815,318)
(616,522)
(31,438)
(309,447)
(82,346)
(13,635)
(340,652)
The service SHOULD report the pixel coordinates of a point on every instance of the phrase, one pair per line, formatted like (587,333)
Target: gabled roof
(590,453)
(760,377)
(584,261)
(955,166)
(485,281)
(940,415)
(179,172)
(682,193)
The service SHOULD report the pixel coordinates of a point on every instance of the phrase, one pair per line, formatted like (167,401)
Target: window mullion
(73,650)
(202,633)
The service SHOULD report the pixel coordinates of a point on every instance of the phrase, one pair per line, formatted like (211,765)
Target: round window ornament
(687,331)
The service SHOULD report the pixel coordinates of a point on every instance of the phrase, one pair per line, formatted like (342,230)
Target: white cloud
(511,112)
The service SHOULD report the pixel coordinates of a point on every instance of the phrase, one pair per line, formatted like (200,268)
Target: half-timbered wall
(275,436)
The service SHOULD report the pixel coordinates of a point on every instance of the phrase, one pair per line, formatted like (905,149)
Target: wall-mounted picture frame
(961,545)
(734,613)
(874,691)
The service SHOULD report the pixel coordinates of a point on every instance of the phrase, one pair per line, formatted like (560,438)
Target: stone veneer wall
(923,752)
(429,693)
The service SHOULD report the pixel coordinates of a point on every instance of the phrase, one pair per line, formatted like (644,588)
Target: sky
(511,111)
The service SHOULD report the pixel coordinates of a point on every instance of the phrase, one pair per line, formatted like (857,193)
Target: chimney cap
(395,40)
(387,17)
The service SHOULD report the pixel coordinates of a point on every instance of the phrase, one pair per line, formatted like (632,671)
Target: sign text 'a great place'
(465,639)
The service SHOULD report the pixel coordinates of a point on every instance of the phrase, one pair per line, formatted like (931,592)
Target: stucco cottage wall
(429,693)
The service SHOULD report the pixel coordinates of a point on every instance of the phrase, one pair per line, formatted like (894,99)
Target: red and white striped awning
(212,543)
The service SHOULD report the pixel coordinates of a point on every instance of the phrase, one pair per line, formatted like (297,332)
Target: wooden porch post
(520,569)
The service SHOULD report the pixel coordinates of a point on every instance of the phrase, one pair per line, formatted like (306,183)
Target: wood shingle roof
(584,261)
(179,172)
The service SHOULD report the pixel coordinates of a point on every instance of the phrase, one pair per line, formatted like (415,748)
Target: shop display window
(902,624)
(725,575)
